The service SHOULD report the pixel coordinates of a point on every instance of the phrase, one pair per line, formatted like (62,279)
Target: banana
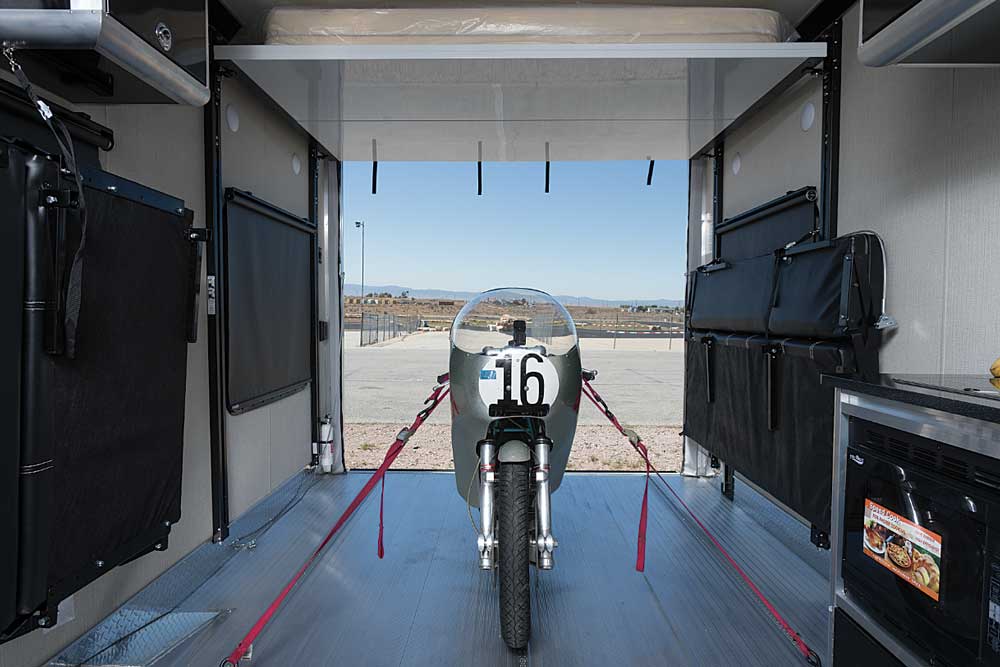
(995,382)
(995,369)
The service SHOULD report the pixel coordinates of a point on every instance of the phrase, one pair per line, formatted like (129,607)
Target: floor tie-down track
(427,602)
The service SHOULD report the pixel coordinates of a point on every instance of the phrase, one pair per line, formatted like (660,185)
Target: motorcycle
(515,384)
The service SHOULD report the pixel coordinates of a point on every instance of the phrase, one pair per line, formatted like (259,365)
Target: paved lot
(642,379)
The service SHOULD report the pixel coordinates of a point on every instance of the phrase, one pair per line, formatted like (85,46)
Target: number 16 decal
(519,379)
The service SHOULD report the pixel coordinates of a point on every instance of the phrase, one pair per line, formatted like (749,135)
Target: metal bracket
(886,322)
(199,235)
(52,198)
(819,537)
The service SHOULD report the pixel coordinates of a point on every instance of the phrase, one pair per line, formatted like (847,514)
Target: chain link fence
(377,328)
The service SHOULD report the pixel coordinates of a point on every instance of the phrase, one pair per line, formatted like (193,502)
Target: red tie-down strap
(438,395)
(810,655)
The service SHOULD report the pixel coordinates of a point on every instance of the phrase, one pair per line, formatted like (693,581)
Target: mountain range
(353,289)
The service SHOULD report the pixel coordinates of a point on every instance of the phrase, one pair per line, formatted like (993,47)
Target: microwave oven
(921,543)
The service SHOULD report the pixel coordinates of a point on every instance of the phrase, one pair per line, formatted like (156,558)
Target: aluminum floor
(426,603)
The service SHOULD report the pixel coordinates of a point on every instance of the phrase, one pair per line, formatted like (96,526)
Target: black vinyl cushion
(734,298)
(117,409)
(807,296)
(12,215)
(799,294)
(743,237)
(268,283)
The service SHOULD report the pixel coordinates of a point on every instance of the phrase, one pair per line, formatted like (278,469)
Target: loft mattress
(555,24)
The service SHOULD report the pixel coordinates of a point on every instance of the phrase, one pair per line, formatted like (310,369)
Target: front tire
(514,521)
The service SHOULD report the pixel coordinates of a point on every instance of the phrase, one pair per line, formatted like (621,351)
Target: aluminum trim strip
(92,29)
(794,50)
(133,54)
(50,28)
(957,430)
(919,26)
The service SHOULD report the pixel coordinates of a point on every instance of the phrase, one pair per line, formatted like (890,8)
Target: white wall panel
(248,458)
(919,156)
(291,437)
(258,157)
(971,315)
(267,445)
(776,155)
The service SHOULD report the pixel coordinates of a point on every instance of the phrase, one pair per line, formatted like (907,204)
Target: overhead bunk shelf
(521,84)
(536,51)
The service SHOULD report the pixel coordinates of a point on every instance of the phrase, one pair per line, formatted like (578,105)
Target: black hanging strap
(707,344)
(74,288)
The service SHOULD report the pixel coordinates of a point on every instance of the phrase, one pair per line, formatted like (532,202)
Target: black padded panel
(117,409)
(696,404)
(811,294)
(734,298)
(12,213)
(761,230)
(268,302)
(97,440)
(793,461)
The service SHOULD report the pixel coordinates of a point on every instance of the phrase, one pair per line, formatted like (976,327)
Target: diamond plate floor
(427,603)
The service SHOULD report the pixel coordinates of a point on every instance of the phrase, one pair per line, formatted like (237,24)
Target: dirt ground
(596,447)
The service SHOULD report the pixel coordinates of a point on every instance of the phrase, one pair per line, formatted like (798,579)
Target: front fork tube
(487,481)
(544,542)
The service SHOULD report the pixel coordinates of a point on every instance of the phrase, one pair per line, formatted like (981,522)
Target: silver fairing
(470,418)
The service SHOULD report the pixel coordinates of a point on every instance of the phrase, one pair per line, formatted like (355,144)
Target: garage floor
(426,603)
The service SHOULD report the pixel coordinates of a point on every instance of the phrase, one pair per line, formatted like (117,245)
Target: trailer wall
(919,164)
(265,446)
(163,147)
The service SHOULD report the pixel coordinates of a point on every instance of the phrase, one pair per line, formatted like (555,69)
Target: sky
(600,232)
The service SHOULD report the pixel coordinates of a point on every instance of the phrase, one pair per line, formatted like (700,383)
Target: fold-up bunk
(521,83)
(595,24)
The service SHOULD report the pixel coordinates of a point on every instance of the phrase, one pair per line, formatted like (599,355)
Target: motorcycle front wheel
(514,521)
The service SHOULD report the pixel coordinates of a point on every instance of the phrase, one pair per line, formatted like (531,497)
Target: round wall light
(232,118)
(808,116)
(296,164)
(737,164)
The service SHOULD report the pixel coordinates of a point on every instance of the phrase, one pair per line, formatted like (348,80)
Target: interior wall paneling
(260,156)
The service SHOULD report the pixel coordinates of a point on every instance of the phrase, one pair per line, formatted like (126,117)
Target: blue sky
(600,232)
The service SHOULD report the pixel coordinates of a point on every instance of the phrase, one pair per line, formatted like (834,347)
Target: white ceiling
(253,12)
(511,102)
(591,109)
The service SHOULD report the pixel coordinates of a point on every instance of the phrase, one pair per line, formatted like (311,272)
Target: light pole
(361,225)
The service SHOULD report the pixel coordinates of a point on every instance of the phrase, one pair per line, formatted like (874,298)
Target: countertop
(957,399)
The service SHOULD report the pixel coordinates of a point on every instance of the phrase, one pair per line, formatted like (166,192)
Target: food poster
(911,552)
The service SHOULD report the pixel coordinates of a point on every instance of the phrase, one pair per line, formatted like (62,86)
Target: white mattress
(565,24)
